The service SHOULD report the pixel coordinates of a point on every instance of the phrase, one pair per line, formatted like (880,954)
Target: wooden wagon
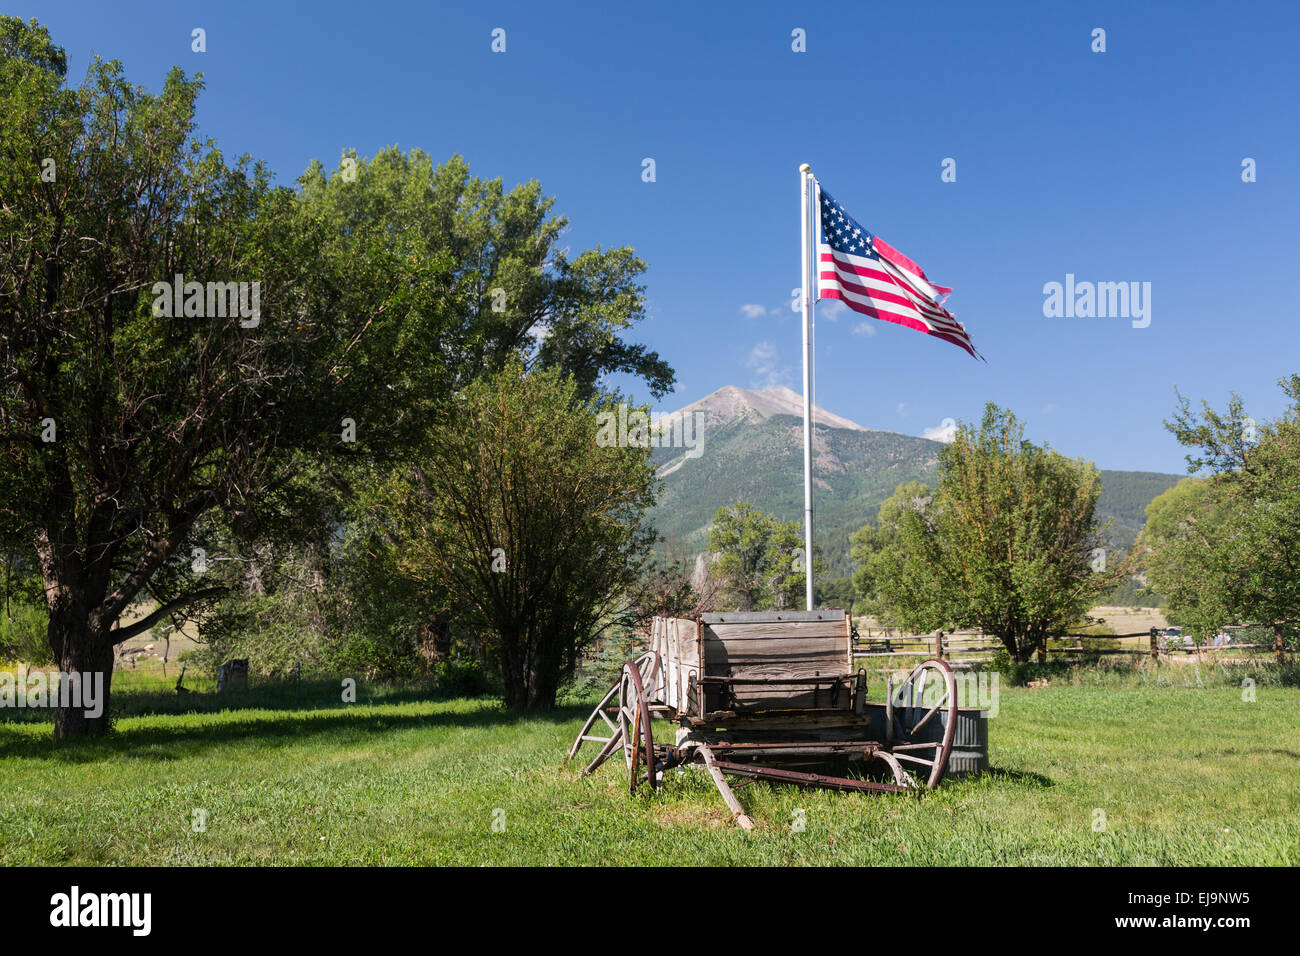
(772,696)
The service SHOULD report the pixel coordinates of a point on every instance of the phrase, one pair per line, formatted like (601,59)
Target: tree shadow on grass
(172,741)
(1019,777)
(1251,752)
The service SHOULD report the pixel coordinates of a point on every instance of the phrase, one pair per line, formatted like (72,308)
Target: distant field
(1184,775)
(1130,620)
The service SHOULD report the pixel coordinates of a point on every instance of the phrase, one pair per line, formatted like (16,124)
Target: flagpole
(805,185)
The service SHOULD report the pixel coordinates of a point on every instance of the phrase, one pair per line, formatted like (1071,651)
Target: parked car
(1174,639)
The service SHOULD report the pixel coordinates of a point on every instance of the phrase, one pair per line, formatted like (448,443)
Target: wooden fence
(963,648)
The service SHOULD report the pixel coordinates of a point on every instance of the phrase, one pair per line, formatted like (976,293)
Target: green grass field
(1184,775)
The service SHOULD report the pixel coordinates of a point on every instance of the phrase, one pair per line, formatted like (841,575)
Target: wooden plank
(719,657)
(699,657)
(729,798)
(676,642)
(784,617)
(827,629)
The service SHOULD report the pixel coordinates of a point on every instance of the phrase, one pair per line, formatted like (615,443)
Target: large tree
(123,420)
(538,528)
(135,434)
(1224,548)
(1007,541)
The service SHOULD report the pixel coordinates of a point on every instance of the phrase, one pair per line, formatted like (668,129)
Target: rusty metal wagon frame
(771,696)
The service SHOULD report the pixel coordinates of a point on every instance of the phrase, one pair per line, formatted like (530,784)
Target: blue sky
(1122,166)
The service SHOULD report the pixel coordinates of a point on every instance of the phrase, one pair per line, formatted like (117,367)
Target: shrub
(23,635)
(464,678)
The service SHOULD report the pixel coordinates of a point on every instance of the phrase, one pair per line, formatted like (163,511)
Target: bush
(23,634)
(465,678)
(1287,674)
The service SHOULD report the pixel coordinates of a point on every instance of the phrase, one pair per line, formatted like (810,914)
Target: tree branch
(149,620)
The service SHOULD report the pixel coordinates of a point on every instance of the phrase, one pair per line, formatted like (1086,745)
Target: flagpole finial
(805,168)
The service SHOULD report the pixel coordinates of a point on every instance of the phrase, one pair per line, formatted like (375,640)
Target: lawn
(1184,775)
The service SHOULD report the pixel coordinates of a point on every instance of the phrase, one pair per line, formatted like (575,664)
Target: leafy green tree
(1007,541)
(877,549)
(1183,557)
(487,281)
(757,558)
(739,540)
(470,279)
(133,438)
(122,425)
(835,592)
(513,505)
(1225,548)
(667,589)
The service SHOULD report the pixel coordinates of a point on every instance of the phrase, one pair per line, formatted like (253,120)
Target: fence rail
(972,646)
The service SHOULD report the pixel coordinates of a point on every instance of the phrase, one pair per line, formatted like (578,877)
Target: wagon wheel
(648,666)
(909,714)
(634,725)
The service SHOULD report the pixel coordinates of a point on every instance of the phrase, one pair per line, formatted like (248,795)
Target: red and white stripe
(892,288)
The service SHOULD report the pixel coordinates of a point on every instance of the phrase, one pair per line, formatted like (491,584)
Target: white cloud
(764,359)
(902,409)
(752,311)
(831,309)
(945,431)
(864,328)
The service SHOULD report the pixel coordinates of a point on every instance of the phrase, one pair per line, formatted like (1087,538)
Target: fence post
(938,645)
(1155,644)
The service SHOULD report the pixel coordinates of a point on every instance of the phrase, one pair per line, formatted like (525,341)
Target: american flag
(872,277)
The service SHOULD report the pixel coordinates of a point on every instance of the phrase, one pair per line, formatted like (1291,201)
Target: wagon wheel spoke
(915,693)
(605,717)
(608,744)
(930,713)
(611,745)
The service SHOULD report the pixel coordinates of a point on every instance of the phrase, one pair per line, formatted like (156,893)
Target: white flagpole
(805,185)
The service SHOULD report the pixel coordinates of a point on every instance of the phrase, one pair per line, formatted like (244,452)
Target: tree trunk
(1018,646)
(513,673)
(442,637)
(90,656)
(544,676)
(542,690)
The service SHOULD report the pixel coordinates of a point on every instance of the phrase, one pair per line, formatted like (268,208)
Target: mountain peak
(732,402)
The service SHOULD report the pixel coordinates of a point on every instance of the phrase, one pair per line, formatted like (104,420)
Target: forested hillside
(760,460)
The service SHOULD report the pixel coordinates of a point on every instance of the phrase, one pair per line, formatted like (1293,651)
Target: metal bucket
(970,744)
